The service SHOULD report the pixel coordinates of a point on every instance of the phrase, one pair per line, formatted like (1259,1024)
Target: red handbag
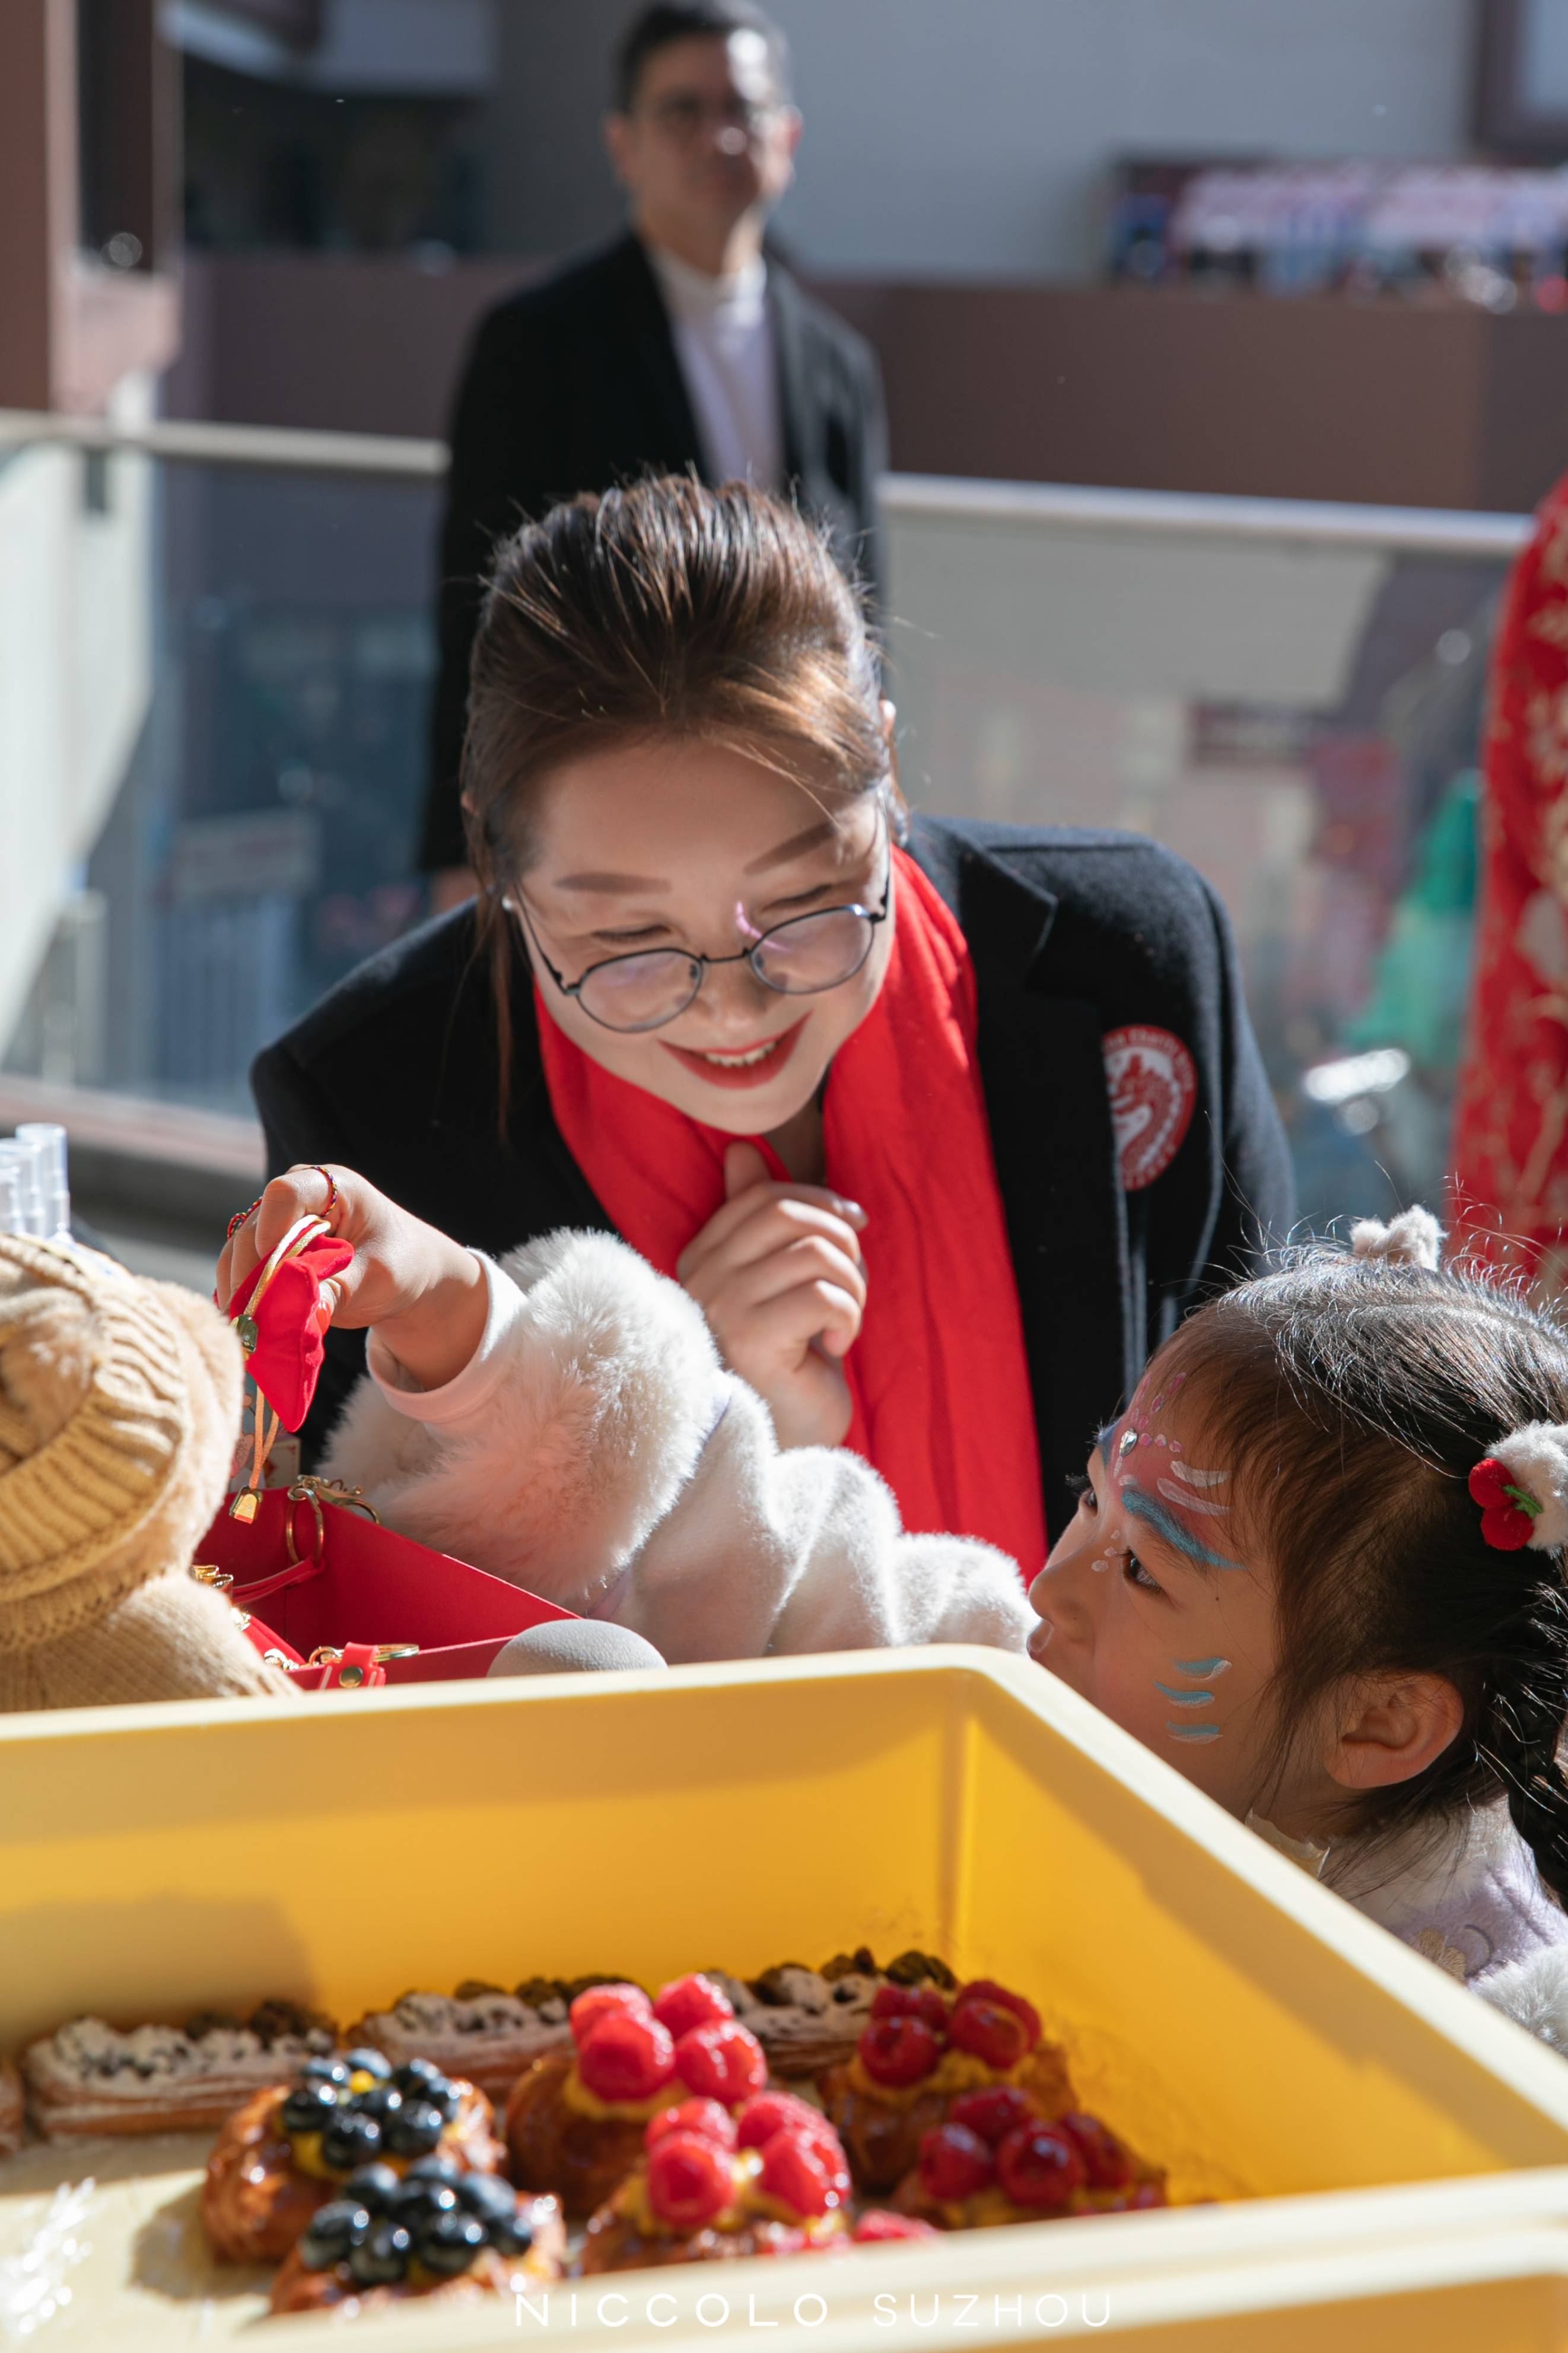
(326,1592)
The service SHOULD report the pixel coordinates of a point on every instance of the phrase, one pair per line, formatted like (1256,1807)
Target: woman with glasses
(942,1125)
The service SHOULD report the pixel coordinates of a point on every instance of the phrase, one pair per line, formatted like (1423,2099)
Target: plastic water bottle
(10,1199)
(23,1161)
(48,1142)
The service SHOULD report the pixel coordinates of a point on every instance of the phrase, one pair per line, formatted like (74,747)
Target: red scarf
(939,1378)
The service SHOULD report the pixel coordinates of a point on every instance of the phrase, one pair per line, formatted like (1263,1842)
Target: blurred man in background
(683,345)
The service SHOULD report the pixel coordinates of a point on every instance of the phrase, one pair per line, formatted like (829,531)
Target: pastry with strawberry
(996,2160)
(770,2179)
(291,2148)
(576,2122)
(920,2051)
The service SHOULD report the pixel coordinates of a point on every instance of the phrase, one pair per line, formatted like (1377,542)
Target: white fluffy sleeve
(598,1453)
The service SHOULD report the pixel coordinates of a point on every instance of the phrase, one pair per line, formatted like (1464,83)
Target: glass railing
(1290,696)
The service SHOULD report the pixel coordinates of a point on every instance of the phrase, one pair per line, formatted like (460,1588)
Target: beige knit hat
(119,1413)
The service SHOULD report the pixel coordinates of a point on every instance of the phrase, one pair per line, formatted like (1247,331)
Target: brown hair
(1353,1398)
(663,610)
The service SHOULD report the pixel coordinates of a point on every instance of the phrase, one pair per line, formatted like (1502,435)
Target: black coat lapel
(665,418)
(1042,1070)
(794,373)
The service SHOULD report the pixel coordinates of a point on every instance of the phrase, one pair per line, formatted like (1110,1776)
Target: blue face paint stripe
(1169,1529)
(1204,1667)
(1185,1699)
(1193,1731)
(1106,1435)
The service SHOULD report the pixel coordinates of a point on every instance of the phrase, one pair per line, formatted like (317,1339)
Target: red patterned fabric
(939,1377)
(1510,1144)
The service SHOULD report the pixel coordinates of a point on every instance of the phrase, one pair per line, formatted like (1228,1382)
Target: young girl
(1319,1564)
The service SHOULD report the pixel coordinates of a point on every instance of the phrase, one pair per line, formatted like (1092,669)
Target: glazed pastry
(293,2148)
(435,2230)
(994,2160)
(89,2079)
(12,2114)
(805,2021)
(486,2036)
(575,2122)
(918,2052)
(769,2180)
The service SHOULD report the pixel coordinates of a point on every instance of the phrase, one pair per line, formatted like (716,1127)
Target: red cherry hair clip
(1522,1488)
(1508,1512)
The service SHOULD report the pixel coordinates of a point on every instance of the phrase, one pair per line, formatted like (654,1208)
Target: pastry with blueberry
(769,2180)
(994,2160)
(290,2148)
(435,2230)
(576,2122)
(918,2052)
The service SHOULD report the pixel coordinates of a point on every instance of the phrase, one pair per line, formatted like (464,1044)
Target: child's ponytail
(1519,1735)
(1522,1488)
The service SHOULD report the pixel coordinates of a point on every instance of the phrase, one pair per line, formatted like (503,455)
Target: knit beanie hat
(119,1413)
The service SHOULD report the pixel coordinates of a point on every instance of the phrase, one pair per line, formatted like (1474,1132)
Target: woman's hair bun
(1413,1238)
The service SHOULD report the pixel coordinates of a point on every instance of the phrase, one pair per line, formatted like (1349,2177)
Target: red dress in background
(1511,1144)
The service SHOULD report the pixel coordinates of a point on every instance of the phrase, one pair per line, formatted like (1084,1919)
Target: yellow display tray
(1480,2292)
(1387,2273)
(1238,2023)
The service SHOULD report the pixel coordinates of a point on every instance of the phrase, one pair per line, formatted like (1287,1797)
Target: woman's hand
(427,1297)
(777,1272)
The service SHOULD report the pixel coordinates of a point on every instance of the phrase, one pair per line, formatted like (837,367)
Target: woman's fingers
(744,1205)
(765,1220)
(297,1193)
(814,1258)
(775,1336)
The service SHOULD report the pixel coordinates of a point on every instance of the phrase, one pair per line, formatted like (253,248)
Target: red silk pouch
(347,1602)
(283,1335)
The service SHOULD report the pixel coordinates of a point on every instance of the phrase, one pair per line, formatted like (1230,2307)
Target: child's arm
(767,1552)
(567,1435)
(594,1450)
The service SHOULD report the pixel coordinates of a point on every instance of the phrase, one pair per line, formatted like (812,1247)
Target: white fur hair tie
(1522,1488)
(1415,1239)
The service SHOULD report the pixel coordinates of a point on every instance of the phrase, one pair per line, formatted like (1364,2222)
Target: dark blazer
(574,386)
(1073,934)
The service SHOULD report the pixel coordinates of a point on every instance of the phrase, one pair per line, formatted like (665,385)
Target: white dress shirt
(724,341)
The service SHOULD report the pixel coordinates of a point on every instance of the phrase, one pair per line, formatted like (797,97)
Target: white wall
(76,666)
(971,138)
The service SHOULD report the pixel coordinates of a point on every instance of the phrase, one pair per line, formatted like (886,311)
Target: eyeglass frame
(748,115)
(575,988)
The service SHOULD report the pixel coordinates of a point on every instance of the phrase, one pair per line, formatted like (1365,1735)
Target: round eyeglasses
(800,958)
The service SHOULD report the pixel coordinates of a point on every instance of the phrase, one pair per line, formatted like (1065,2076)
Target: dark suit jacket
(1072,933)
(574,386)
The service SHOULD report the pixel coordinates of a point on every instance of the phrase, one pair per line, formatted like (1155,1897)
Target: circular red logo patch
(1153,1085)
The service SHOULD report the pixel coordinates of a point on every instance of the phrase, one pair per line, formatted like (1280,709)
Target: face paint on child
(1148,1608)
(1159,1487)
(1207,1671)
